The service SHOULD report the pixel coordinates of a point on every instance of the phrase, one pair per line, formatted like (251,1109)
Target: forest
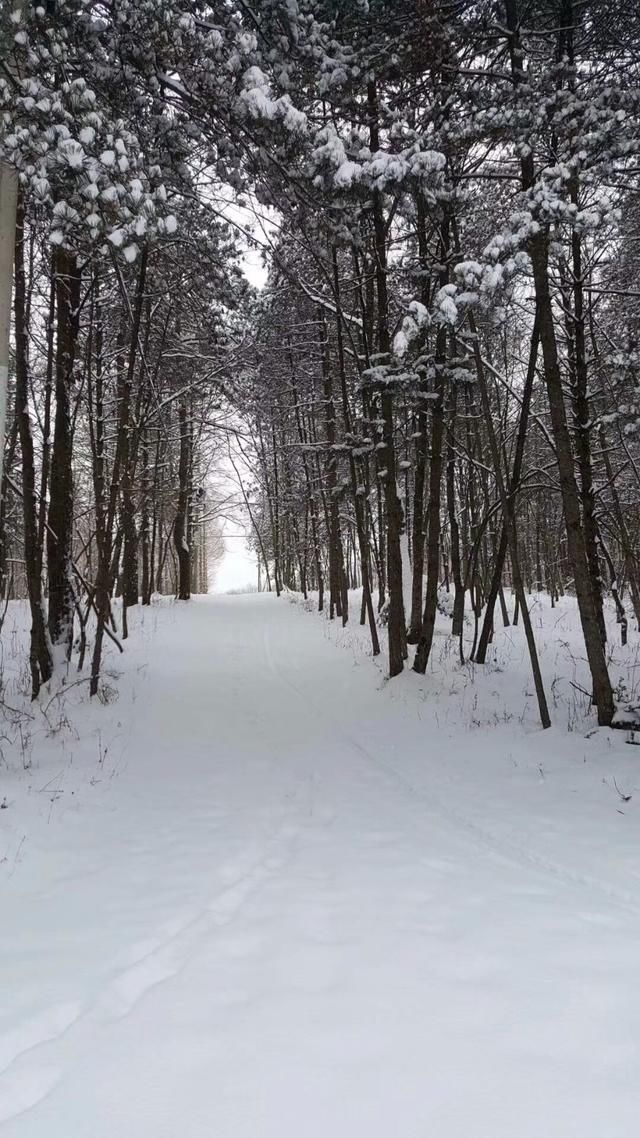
(362,277)
(437,386)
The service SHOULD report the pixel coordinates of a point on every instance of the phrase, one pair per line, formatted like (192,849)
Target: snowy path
(282,919)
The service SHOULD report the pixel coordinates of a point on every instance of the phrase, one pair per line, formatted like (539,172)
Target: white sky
(238,568)
(254,269)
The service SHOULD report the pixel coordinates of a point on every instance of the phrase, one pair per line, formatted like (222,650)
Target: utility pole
(8,201)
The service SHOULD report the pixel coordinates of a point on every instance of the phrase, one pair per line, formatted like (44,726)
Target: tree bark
(576,545)
(180,529)
(60,517)
(40,658)
(393,506)
(425,642)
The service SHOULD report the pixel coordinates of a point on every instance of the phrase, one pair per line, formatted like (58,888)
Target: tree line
(438,383)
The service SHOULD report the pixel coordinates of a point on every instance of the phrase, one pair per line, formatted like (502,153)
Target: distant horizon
(237,569)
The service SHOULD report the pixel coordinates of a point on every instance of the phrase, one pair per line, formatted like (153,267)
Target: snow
(265,892)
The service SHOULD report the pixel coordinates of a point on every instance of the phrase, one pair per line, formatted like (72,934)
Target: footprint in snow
(42,1028)
(22,1089)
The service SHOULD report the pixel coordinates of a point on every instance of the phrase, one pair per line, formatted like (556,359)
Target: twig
(624,797)
(65,689)
(580,689)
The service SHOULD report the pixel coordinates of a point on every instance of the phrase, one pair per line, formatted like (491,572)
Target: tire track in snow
(22,1088)
(487,840)
(25,1080)
(167,958)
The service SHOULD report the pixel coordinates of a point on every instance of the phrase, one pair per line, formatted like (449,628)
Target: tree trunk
(180,529)
(393,506)
(360,514)
(40,657)
(510,526)
(109,556)
(582,417)
(435,476)
(60,517)
(336,552)
(576,544)
(602,691)
(8,202)
(454,532)
(514,483)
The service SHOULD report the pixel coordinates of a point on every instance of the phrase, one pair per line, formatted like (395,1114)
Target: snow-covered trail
(267,927)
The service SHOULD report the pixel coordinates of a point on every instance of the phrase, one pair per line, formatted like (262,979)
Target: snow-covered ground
(260,892)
